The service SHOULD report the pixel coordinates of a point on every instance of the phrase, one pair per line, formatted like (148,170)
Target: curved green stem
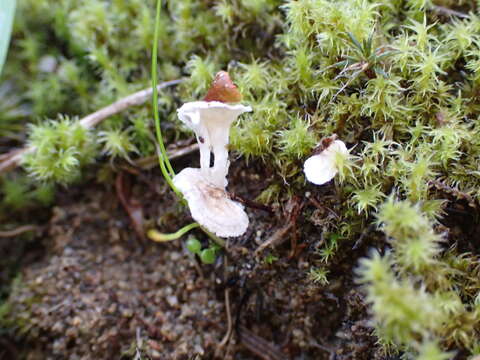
(167,177)
(163,160)
(217,240)
(170,173)
(161,237)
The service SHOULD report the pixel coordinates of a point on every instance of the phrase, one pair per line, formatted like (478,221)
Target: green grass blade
(7,13)
(161,237)
(367,44)
(155,93)
(355,42)
(165,165)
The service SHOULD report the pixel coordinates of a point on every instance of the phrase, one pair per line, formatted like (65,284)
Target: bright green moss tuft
(201,74)
(298,140)
(61,148)
(116,143)
(410,289)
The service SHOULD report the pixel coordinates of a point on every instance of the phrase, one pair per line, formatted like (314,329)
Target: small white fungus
(321,168)
(204,188)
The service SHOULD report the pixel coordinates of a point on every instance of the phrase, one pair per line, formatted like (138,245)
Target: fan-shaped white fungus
(322,167)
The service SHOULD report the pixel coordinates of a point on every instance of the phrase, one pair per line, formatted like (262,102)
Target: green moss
(298,140)
(15,193)
(116,143)
(318,276)
(411,290)
(395,80)
(62,147)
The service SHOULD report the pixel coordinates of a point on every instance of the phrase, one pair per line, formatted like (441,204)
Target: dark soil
(96,290)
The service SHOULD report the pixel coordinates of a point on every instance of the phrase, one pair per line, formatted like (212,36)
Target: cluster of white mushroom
(205,188)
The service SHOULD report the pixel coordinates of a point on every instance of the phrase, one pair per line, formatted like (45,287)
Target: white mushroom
(204,188)
(322,167)
(210,205)
(211,121)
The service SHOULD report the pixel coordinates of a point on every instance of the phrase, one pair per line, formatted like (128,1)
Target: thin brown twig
(131,205)
(256,344)
(449,12)
(297,207)
(251,204)
(319,206)
(459,195)
(18,231)
(229,332)
(150,162)
(195,264)
(282,234)
(276,238)
(259,346)
(229,318)
(13,158)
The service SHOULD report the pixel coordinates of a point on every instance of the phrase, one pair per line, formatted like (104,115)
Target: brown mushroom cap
(223,89)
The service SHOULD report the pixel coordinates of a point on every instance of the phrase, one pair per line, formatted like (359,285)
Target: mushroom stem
(204,155)
(204,188)
(221,164)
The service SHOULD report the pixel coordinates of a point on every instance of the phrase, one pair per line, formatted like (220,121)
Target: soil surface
(97,290)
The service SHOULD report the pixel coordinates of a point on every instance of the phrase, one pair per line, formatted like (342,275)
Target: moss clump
(396,80)
(352,68)
(61,147)
(417,294)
